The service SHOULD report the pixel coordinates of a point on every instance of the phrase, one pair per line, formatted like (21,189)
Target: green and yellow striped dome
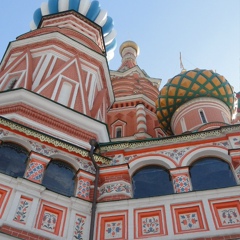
(189,85)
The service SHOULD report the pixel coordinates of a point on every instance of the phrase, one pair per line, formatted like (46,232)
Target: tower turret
(61,68)
(129,51)
(132,116)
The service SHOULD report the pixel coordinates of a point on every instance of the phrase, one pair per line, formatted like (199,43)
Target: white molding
(148,160)
(135,97)
(57,111)
(205,151)
(154,81)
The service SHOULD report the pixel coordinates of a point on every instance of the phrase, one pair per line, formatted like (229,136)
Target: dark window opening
(12,84)
(151,181)
(211,173)
(60,177)
(13,158)
(118,133)
(203,118)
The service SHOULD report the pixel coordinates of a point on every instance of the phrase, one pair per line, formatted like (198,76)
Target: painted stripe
(141,119)
(87,8)
(112,45)
(110,37)
(108,26)
(37,16)
(141,111)
(93,11)
(141,126)
(44,9)
(74,5)
(84,6)
(53,6)
(101,18)
(110,55)
(63,5)
(33,25)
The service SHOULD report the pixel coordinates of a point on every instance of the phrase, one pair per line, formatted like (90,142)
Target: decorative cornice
(56,39)
(52,108)
(142,74)
(81,20)
(115,188)
(67,32)
(170,140)
(45,119)
(50,140)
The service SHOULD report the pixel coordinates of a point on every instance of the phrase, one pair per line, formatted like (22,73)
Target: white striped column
(141,119)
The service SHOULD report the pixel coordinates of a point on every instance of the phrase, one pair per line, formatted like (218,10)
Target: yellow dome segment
(129,44)
(188,85)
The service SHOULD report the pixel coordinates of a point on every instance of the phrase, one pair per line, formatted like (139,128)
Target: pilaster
(36,166)
(115,183)
(181,180)
(85,180)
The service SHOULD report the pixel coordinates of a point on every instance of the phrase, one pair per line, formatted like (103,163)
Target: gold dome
(129,44)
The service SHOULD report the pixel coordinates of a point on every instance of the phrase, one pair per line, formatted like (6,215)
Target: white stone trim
(140,162)
(56,110)
(205,151)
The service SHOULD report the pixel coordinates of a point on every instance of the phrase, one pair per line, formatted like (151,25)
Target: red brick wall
(21,234)
(226,237)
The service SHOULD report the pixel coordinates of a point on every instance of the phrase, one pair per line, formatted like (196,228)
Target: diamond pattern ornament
(189,85)
(35,172)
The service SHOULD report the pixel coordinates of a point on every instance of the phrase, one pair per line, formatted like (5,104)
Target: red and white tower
(132,116)
(60,70)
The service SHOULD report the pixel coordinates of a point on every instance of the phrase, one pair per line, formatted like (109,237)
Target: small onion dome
(129,51)
(130,44)
(189,85)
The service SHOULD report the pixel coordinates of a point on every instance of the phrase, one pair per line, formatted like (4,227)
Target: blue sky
(206,32)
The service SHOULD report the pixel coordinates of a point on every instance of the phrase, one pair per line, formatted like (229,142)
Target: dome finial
(129,51)
(181,64)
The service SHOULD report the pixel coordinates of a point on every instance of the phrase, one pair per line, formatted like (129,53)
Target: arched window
(211,173)
(118,132)
(151,181)
(59,177)
(13,158)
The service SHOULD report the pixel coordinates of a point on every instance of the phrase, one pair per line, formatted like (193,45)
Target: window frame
(63,191)
(202,116)
(12,163)
(199,185)
(165,178)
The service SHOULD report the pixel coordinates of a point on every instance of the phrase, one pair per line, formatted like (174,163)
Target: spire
(181,64)
(129,51)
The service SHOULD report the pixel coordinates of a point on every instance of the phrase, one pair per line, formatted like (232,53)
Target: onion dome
(88,8)
(129,51)
(189,85)
(129,44)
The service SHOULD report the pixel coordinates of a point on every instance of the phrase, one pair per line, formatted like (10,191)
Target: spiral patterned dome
(88,8)
(189,85)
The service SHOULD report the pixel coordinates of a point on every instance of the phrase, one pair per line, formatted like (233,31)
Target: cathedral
(90,153)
